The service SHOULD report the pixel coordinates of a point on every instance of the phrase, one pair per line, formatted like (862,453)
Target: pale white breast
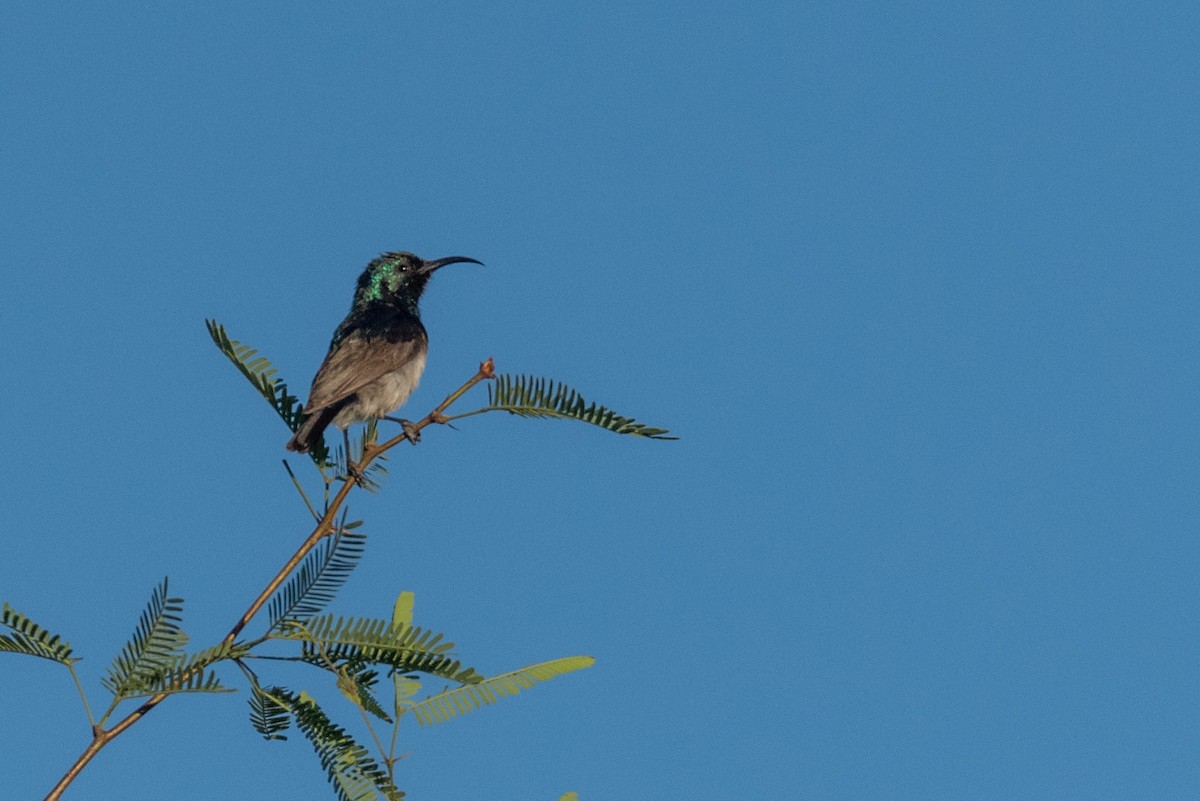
(383,395)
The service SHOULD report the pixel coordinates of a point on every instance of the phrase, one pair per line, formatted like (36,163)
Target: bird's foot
(353,471)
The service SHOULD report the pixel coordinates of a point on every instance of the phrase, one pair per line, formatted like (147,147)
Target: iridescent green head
(399,279)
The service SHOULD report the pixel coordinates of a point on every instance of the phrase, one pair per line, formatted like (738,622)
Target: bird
(377,354)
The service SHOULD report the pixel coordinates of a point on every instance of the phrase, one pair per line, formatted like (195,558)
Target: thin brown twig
(102,737)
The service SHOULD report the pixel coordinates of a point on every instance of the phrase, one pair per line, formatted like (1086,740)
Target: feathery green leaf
(365,640)
(179,681)
(355,776)
(404,687)
(319,577)
(209,656)
(29,638)
(402,611)
(153,650)
(530,396)
(186,673)
(261,375)
(268,717)
(452,703)
(357,690)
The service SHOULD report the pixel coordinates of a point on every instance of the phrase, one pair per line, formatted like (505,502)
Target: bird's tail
(311,430)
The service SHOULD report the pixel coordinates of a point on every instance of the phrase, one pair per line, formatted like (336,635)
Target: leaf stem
(382,754)
(484,410)
(82,696)
(300,489)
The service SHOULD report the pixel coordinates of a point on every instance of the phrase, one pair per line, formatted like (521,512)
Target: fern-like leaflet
(175,681)
(267,715)
(154,649)
(187,673)
(31,639)
(261,375)
(408,649)
(319,577)
(356,686)
(354,775)
(452,703)
(530,396)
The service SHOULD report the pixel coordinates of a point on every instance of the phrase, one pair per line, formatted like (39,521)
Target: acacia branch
(325,526)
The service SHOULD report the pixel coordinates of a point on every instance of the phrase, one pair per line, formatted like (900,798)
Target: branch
(324,527)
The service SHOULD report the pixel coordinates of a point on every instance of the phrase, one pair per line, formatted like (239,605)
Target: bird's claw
(411,431)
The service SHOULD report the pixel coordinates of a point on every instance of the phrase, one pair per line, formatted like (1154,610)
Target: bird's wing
(356,362)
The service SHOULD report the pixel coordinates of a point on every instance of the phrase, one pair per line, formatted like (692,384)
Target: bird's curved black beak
(430,266)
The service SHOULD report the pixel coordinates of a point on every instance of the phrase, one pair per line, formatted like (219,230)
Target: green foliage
(354,650)
(209,656)
(357,689)
(178,680)
(319,577)
(404,688)
(31,639)
(452,703)
(355,776)
(346,647)
(188,674)
(154,649)
(402,611)
(261,375)
(529,396)
(267,715)
(408,649)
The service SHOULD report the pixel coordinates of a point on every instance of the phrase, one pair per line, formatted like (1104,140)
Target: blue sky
(916,285)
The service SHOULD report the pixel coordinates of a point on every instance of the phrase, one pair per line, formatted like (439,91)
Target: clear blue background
(917,286)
